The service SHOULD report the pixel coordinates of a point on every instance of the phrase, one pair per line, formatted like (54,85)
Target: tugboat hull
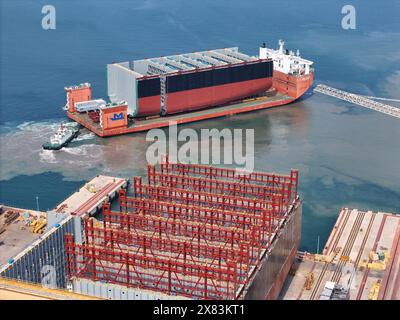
(50,146)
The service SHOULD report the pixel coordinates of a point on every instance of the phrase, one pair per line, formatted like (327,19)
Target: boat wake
(83,137)
(77,151)
(47,156)
(22,152)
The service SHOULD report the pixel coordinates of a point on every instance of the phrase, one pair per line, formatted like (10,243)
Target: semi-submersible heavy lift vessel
(150,93)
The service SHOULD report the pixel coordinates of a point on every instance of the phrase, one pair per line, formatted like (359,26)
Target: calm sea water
(348,156)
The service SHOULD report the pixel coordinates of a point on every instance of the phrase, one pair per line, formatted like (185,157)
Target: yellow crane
(38,225)
(378,261)
(325,258)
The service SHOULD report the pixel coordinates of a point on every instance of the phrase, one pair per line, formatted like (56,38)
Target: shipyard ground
(14,237)
(355,235)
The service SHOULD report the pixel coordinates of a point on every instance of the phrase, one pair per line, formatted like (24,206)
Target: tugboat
(63,136)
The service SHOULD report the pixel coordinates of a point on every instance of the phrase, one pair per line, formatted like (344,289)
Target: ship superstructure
(293,74)
(286,61)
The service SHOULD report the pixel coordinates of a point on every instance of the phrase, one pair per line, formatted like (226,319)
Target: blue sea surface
(348,156)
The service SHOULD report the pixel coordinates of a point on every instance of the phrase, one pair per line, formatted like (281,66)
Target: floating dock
(271,99)
(360,261)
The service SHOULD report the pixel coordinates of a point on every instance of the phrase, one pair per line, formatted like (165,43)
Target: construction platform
(271,98)
(91,197)
(15,235)
(360,261)
(188,232)
(191,231)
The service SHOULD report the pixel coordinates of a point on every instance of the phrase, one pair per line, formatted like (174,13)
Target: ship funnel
(263,51)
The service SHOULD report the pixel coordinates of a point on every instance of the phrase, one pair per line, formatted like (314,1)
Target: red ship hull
(190,100)
(294,86)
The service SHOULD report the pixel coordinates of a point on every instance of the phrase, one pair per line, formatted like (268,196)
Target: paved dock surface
(91,196)
(16,236)
(355,236)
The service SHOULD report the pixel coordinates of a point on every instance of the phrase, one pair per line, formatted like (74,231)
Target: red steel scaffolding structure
(193,231)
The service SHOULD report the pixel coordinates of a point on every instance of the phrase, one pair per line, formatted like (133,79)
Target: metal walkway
(359,100)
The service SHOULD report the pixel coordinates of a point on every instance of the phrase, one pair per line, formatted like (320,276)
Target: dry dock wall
(270,277)
(116,292)
(43,262)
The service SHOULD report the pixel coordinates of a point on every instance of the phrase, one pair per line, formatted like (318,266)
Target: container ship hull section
(202,89)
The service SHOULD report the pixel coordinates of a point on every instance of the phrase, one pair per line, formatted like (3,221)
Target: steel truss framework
(193,231)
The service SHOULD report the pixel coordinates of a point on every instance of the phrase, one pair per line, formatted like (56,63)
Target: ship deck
(271,99)
(187,62)
(355,235)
